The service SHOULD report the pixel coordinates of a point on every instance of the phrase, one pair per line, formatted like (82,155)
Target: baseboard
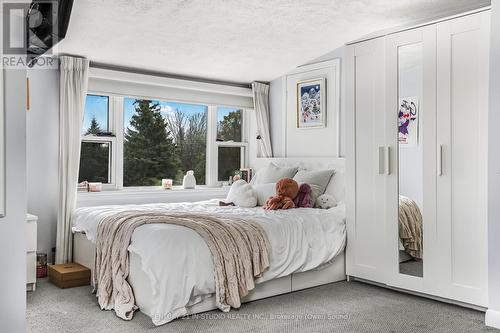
(492,318)
(416,293)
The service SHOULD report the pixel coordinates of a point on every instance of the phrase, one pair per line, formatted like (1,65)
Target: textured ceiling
(231,40)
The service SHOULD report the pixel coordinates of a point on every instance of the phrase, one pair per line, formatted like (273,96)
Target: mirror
(410,163)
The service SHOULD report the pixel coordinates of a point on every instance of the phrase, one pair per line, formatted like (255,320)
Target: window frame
(243,144)
(116,127)
(112,140)
(109,120)
(112,156)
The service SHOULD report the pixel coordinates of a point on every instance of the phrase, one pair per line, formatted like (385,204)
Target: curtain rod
(165,75)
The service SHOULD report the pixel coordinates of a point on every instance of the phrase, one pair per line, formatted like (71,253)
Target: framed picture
(311,103)
(408,122)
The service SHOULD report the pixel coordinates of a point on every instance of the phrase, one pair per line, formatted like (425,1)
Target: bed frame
(84,250)
(83,253)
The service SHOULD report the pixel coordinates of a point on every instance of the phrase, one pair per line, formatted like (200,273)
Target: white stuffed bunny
(326,201)
(242,194)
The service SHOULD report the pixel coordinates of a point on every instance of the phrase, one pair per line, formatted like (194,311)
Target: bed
(171,271)
(410,230)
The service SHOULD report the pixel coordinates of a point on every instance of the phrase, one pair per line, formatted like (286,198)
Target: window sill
(150,194)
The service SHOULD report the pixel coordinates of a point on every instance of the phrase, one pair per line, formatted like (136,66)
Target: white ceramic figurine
(189,181)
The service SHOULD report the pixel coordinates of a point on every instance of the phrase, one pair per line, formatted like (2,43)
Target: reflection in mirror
(410,159)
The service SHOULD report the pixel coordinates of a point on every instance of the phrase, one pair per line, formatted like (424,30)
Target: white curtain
(73,90)
(261,106)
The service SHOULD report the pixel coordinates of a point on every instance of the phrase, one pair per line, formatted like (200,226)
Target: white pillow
(272,173)
(263,192)
(242,194)
(318,180)
(336,187)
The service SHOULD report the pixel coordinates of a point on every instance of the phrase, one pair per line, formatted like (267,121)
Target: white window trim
(244,152)
(213,145)
(112,158)
(115,124)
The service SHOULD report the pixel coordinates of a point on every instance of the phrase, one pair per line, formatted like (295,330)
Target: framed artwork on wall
(311,103)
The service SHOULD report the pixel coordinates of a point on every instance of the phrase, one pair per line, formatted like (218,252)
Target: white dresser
(31,230)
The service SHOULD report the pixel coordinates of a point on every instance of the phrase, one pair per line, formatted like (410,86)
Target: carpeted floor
(412,267)
(337,307)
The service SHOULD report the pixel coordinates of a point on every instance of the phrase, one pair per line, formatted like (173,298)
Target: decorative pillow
(242,194)
(264,192)
(336,187)
(272,173)
(318,180)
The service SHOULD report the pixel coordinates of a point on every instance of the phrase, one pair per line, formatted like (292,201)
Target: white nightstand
(31,227)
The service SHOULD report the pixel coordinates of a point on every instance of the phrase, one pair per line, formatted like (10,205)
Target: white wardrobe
(435,155)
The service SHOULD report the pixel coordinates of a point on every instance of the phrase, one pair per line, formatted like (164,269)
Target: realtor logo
(29,30)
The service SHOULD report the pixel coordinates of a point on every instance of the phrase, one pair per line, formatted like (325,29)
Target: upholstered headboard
(338,181)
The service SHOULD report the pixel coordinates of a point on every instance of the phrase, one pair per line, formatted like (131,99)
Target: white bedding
(179,264)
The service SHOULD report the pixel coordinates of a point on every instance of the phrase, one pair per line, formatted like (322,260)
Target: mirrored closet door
(410,116)
(410,159)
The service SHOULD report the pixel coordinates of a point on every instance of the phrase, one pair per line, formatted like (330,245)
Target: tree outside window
(163,140)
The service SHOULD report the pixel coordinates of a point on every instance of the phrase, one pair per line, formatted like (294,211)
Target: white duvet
(179,264)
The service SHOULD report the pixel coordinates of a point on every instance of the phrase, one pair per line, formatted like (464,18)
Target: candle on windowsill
(95,187)
(166,184)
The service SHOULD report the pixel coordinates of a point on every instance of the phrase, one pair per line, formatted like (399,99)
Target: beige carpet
(337,307)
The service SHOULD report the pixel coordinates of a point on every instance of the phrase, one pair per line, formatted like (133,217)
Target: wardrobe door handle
(381,161)
(388,160)
(440,160)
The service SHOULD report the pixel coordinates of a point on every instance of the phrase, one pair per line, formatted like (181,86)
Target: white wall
(42,154)
(493,314)
(12,226)
(286,139)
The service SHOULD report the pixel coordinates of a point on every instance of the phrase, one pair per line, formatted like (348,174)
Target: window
(97,143)
(230,148)
(163,140)
(94,162)
(134,141)
(228,161)
(229,124)
(96,116)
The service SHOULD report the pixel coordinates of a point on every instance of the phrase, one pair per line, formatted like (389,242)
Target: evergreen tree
(94,127)
(149,152)
(94,157)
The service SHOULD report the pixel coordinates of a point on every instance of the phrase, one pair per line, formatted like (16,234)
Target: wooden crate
(69,275)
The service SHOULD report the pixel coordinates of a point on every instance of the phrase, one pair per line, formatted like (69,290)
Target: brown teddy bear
(286,190)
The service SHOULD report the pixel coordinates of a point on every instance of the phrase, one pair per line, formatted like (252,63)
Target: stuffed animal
(241,194)
(303,199)
(286,191)
(326,201)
